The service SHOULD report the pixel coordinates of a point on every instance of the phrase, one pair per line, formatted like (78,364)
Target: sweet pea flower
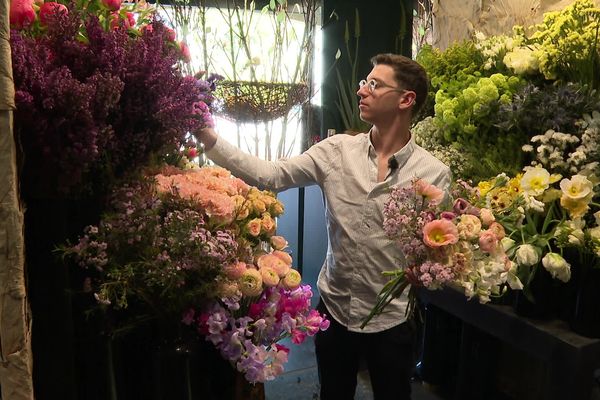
(527,255)
(439,233)
(557,266)
(431,193)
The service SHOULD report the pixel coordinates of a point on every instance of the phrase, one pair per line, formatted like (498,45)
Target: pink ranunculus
(292,280)
(432,193)
(272,261)
(488,241)
(50,10)
(282,255)
(21,14)
(235,270)
(112,5)
(440,232)
(270,278)
(498,229)
(487,216)
(278,242)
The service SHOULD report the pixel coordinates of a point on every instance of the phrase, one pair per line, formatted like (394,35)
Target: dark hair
(409,74)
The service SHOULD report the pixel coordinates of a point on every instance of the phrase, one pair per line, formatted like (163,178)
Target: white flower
(535,181)
(527,255)
(597,216)
(557,266)
(507,243)
(531,203)
(576,188)
(527,148)
(512,279)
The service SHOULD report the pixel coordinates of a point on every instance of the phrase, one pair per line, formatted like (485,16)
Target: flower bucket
(542,305)
(586,313)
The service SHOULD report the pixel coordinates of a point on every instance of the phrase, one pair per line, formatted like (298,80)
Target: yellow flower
(577,188)
(484,187)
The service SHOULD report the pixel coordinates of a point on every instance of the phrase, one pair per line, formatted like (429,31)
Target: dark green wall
(381,24)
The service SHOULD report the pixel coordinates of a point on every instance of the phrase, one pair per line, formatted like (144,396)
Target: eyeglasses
(372,84)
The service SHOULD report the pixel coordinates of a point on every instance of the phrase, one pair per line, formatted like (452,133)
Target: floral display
(444,244)
(544,214)
(501,91)
(98,92)
(199,245)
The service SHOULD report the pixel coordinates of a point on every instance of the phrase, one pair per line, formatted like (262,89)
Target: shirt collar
(401,155)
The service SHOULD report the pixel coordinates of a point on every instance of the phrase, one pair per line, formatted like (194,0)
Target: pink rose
(488,241)
(21,13)
(254,227)
(50,10)
(440,232)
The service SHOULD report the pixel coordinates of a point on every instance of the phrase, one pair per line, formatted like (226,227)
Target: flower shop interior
(131,265)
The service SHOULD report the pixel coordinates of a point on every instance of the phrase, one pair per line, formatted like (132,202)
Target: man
(355,174)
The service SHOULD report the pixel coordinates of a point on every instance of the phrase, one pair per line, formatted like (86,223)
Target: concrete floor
(300,380)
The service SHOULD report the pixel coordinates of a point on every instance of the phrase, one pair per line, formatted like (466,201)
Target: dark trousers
(388,356)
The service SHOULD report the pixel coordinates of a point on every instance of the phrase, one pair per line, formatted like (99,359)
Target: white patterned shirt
(358,251)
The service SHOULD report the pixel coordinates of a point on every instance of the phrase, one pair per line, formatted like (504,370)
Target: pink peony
(50,10)
(21,13)
(440,232)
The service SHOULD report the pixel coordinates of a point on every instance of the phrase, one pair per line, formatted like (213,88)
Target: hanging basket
(244,101)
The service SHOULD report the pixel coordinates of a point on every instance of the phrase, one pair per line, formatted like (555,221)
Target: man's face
(381,98)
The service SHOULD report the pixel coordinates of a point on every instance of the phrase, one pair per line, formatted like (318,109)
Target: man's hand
(208,137)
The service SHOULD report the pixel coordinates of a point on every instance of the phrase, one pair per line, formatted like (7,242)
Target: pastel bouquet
(445,243)
(199,246)
(544,214)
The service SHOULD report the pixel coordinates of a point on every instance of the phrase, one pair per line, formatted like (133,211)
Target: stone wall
(457,20)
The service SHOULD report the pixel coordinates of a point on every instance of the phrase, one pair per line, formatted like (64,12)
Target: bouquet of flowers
(199,245)
(99,93)
(445,243)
